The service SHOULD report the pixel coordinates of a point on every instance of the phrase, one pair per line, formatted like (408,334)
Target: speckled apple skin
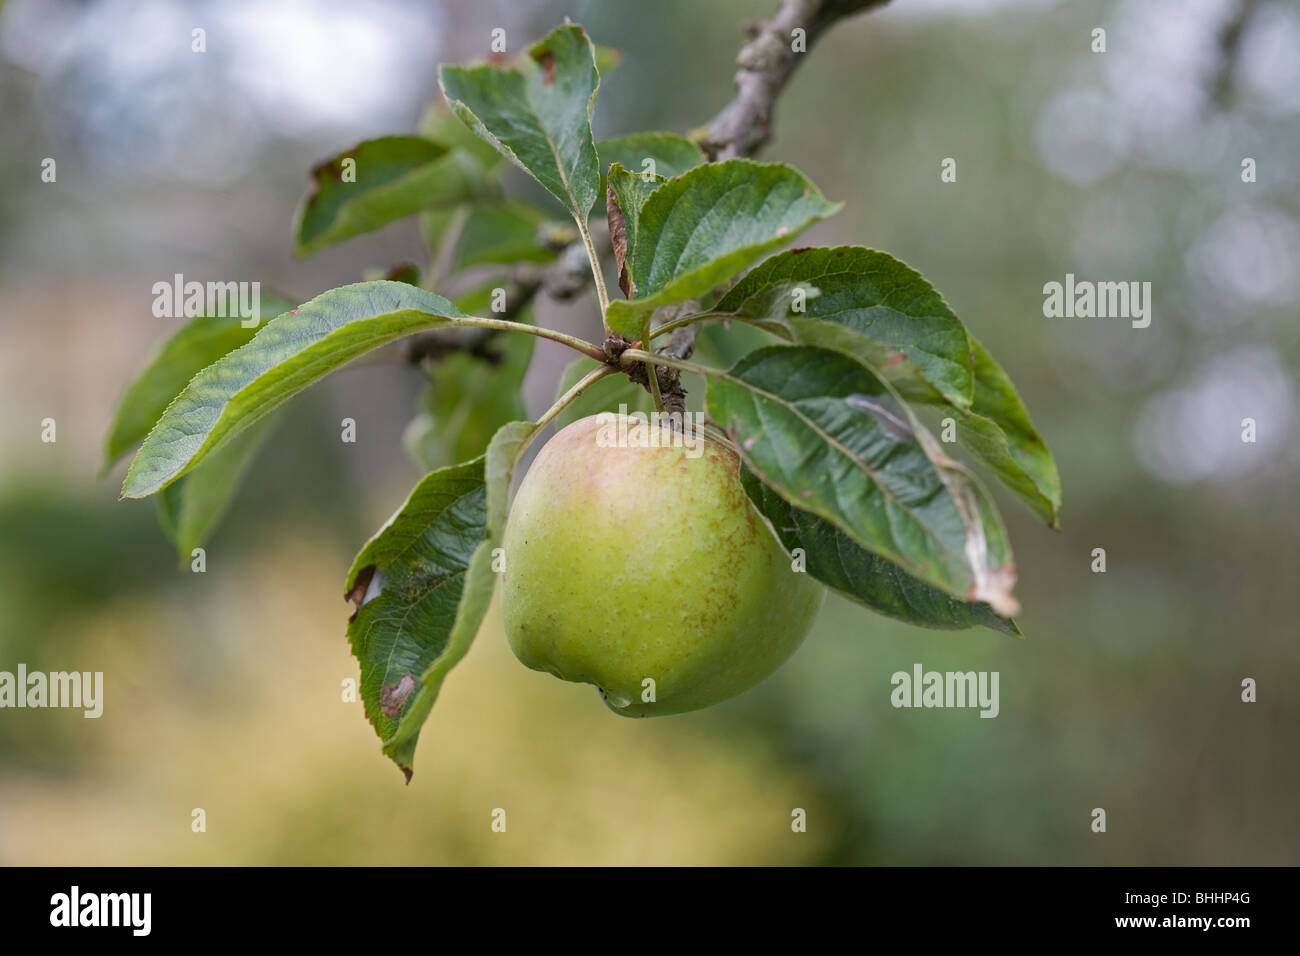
(640,562)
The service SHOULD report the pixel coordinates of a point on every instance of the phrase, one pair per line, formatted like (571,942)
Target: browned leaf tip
(615,346)
(329,169)
(407,272)
(618,239)
(392,697)
(546,59)
(359,588)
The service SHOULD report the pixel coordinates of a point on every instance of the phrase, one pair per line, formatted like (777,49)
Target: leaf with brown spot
(435,564)
(546,60)
(618,239)
(396,177)
(391,698)
(836,560)
(359,588)
(540,119)
(829,441)
(886,315)
(629,192)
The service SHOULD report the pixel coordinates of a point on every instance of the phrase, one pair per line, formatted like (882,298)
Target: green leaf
(467,400)
(869,305)
(505,232)
(440,229)
(864,303)
(421,585)
(507,446)
(671,154)
(605,395)
(190,509)
(288,353)
(832,439)
(631,190)
(723,343)
(700,229)
(540,120)
(381,181)
(442,126)
(998,430)
(837,561)
(197,345)
(608,59)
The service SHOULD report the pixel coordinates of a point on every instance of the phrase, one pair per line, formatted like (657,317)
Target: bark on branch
(765,64)
(742,128)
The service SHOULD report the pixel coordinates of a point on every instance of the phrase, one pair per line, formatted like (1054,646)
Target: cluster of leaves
(825,412)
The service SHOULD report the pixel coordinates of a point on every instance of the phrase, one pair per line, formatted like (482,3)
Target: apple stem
(564,400)
(655,393)
(632,357)
(681,322)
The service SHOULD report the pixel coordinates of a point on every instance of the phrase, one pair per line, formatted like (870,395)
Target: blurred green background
(224,689)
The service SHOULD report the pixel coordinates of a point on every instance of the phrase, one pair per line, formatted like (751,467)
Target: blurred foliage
(1125,694)
(470,393)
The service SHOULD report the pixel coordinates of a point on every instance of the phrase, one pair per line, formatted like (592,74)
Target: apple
(641,566)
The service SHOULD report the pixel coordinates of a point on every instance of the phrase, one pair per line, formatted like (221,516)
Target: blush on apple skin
(633,564)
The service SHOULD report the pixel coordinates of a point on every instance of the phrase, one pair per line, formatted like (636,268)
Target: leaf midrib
(309,369)
(863,466)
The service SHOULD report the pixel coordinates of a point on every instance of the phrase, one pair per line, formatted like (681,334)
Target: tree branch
(744,125)
(1230,34)
(742,128)
(766,63)
(681,345)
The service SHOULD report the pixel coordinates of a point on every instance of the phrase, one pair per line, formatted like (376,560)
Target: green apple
(640,566)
